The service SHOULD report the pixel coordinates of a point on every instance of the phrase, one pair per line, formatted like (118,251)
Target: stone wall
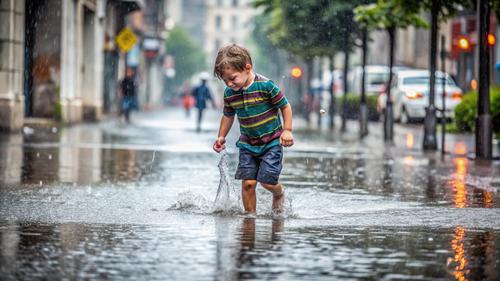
(11,64)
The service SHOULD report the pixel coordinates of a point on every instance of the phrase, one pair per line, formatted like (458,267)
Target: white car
(410,95)
(375,80)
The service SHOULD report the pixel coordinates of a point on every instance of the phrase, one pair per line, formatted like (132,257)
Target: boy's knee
(276,189)
(249,184)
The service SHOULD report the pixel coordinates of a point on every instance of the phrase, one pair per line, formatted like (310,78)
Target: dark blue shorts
(265,168)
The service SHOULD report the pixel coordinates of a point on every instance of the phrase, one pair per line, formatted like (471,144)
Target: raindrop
(38,155)
(41,183)
(50,156)
(54,130)
(322,111)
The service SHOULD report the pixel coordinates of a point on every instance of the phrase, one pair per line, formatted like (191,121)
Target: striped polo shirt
(257,109)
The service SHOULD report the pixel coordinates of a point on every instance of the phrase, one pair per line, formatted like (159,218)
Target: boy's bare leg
(248,195)
(278,195)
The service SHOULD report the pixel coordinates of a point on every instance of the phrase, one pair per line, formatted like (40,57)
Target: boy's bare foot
(278,202)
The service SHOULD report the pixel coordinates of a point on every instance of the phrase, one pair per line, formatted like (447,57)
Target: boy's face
(236,79)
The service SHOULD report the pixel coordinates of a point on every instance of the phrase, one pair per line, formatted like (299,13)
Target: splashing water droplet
(223,197)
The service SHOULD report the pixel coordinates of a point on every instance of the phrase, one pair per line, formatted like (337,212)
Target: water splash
(226,198)
(190,202)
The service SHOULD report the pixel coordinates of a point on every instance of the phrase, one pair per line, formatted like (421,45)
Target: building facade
(228,21)
(53,56)
(11,64)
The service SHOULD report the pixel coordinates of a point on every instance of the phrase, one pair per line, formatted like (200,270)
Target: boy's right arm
(225,125)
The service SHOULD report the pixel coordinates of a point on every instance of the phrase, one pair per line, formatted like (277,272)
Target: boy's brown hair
(233,56)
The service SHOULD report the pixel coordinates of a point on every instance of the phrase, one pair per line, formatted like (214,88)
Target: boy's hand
(286,138)
(219,144)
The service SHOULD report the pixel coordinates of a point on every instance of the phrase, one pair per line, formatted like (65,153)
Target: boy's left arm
(286,138)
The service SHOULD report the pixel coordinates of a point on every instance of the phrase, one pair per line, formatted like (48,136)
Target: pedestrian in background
(187,98)
(256,101)
(201,94)
(128,91)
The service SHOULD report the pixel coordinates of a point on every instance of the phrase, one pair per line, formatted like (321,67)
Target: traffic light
(463,43)
(296,72)
(491,39)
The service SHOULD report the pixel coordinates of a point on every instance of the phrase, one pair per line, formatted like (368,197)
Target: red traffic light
(296,72)
(463,43)
(491,39)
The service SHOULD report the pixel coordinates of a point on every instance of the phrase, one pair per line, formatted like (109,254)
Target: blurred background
(64,60)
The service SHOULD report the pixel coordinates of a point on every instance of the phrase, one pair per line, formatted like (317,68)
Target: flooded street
(115,201)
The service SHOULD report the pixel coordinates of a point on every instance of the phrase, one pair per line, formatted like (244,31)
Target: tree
(266,48)
(389,15)
(189,57)
(309,29)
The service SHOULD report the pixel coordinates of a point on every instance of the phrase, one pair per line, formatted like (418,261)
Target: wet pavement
(116,201)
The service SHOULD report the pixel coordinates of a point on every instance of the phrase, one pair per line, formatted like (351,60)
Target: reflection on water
(458,182)
(475,256)
(106,208)
(457,244)
(409,140)
(255,242)
(245,249)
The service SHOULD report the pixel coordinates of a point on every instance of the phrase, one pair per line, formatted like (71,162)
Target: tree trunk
(430,139)
(332,93)
(388,112)
(363,111)
(483,121)
(344,100)
(309,74)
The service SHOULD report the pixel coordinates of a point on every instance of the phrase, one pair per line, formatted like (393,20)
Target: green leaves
(387,14)
(309,28)
(189,58)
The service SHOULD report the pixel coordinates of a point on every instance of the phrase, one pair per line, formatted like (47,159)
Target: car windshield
(424,80)
(377,78)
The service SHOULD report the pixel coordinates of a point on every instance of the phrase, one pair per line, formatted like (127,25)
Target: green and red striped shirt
(257,109)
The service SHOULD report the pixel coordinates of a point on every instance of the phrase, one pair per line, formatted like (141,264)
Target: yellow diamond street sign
(126,39)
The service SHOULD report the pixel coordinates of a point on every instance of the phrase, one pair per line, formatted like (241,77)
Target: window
(218,22)
(377,78)
(424,80)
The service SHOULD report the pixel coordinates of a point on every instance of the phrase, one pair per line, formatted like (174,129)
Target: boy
(256,101)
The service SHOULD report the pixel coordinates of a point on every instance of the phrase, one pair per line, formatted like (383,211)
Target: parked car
(410,94)
(375,80)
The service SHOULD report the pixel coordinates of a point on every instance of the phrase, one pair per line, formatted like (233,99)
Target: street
(116,201)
